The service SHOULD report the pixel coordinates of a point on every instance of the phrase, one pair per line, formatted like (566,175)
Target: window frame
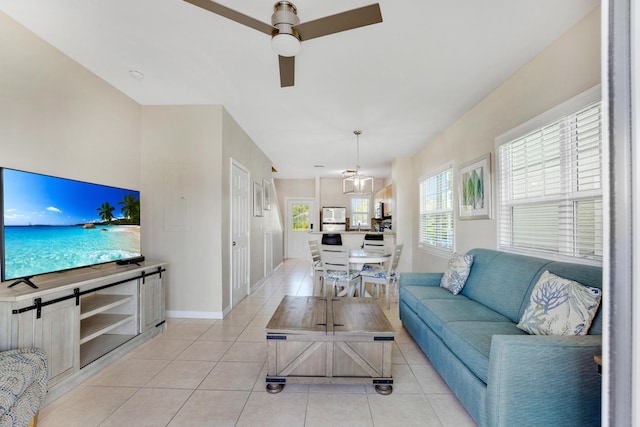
(542,121)
(433,249)
(352,223)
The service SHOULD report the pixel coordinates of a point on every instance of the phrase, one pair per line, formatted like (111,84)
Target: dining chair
(335,261)
(317,270)
(380,276)
(332,239)
(373,242)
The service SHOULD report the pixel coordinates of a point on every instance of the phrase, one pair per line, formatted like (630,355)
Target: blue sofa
(502,375)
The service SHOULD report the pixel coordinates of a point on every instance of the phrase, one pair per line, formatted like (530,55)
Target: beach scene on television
(53,224)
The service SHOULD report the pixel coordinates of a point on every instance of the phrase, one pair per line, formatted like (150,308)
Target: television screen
(53,224)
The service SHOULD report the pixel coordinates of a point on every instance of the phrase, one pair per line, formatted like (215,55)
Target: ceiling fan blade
(332,24)
(233,15)
(287,70)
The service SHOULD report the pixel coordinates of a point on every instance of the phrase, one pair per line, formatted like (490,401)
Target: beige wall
(57,118)
(566,68)
(181,197)
(294,188)
(238,146)
(404,214)
(186,157)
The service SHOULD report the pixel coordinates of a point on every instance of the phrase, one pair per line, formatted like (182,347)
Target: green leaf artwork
(473,189)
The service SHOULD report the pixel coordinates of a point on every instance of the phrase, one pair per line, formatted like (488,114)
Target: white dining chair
(373,242)
(317,270)
(335,261)
(383,277)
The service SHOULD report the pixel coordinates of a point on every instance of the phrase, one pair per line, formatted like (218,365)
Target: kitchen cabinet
(388,201)
(383,202)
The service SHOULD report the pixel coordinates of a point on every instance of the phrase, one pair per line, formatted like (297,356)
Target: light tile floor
(211,373)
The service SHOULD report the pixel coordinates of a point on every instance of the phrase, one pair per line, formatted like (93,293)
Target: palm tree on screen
(106,212)
(130,208)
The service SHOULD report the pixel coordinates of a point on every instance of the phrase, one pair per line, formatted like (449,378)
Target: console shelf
(99,324)
(97,303)
(98,347)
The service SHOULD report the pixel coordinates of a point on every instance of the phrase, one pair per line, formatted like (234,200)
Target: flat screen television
(52,224)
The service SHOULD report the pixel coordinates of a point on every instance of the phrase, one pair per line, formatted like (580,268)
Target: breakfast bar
(355,239)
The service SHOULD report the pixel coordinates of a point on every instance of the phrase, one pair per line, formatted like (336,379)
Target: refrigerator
(334,218)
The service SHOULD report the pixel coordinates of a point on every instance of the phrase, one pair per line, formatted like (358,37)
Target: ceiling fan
(286,31)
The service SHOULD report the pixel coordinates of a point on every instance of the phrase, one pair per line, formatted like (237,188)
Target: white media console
(84,319)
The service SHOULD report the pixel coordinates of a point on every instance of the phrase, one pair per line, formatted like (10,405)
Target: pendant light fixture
(353,182)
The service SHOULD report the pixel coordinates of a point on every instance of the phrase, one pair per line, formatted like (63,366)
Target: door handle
(234,243)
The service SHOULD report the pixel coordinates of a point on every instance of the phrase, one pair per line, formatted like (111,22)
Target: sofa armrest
(543,380)
(420,279)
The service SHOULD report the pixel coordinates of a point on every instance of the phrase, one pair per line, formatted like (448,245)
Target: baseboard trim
(181,314)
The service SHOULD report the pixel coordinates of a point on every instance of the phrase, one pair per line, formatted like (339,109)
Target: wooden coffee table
(316,340)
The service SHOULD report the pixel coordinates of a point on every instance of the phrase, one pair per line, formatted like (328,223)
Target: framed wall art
(266,195)
(475,189)
(257,199)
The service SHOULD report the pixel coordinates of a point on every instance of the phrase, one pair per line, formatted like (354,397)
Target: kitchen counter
(386,233)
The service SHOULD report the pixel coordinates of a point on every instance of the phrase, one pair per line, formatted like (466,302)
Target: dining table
(359,257)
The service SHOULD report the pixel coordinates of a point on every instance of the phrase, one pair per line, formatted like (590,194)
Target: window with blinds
(360,208)
(436,211)
(550,189)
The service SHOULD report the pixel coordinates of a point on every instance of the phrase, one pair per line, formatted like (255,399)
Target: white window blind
(436,211)
(360,208)
(550,188)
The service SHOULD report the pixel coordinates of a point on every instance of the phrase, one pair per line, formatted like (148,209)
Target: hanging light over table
(353,182)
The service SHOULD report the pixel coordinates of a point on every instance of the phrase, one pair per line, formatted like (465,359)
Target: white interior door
(240,215)
(299,220)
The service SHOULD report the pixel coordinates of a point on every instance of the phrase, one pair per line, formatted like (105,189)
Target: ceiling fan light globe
(285,44)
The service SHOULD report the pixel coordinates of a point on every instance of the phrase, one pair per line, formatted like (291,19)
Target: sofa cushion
(502,281)
(413,295)
(457,272)
(340,276)
(471,342)
(559,306)
(437,312)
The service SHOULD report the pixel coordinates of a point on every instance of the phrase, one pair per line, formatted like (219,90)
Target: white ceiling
(401,81)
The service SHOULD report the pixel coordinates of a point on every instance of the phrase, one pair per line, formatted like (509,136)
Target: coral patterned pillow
(560,306)
(456,275)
